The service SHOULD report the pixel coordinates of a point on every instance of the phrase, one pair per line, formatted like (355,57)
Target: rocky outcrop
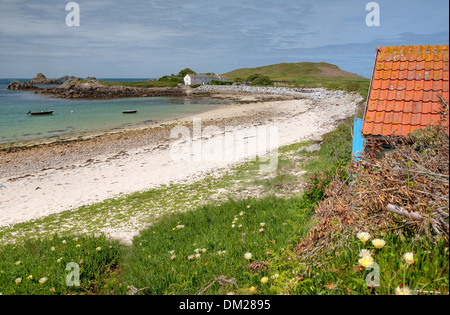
(42,80)
(68,77)
(93,90)
(17,86)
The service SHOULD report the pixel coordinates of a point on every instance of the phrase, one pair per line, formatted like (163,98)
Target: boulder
(311,148)
(16,85)
(42,80)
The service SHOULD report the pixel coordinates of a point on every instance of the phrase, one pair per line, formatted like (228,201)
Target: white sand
(53,191)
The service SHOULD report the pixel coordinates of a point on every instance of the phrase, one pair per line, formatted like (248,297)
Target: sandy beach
(51,178)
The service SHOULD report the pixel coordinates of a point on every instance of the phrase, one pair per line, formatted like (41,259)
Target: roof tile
(405,86)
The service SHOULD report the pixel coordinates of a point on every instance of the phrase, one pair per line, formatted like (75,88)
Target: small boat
(129,111)
(48,112)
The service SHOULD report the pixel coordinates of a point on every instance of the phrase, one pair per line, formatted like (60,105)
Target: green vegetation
(291,72)
(181,254)
(305,74)
(39,266)
(185,72)
(358,85)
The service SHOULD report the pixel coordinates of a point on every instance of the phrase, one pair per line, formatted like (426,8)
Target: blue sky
(148,39)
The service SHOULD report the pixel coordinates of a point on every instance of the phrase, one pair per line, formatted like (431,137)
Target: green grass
(358,85)
(39,266)
(163,256)
(292,71)
(339,271)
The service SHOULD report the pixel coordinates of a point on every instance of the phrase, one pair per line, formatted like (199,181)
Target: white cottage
(202,79)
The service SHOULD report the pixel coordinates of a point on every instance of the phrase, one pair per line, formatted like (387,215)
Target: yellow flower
(409,258)
(247,256)
(18,263)
(264,280)
(363,236)
(366,261)
(173,257)
(78,246)
(18,280)
(252,289)
(378,243)
(98,249)
(402,291)
(30,277)
(261,230)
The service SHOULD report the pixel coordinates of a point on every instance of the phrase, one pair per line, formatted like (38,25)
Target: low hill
(294,71)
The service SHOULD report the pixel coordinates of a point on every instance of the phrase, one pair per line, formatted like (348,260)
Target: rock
(311,148)
(42,80)
(316,139)
(16,85)
(68,77)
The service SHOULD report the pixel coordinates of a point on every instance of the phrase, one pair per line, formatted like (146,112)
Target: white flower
(363,236)
(18,280)
(275,276)
(409,258)
(190,257)
(42,280)
(180,227)
(364,253)
(247,256)
(171,252)
(204,250)
(378,243)
(198,256)
(262,224)
(241,213)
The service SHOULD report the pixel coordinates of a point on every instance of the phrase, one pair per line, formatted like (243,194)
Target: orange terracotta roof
(404,92)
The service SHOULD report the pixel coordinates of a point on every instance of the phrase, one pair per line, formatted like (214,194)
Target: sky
(149,39)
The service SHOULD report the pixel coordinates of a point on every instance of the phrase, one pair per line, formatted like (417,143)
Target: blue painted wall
(358,142)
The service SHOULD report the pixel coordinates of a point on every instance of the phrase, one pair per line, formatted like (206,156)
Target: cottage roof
(406,84)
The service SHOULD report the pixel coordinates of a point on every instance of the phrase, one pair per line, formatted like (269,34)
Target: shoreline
(50,178)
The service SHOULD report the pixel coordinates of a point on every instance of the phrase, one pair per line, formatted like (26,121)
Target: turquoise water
(75,117)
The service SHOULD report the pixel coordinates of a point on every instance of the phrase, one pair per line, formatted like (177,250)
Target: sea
(72,118)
